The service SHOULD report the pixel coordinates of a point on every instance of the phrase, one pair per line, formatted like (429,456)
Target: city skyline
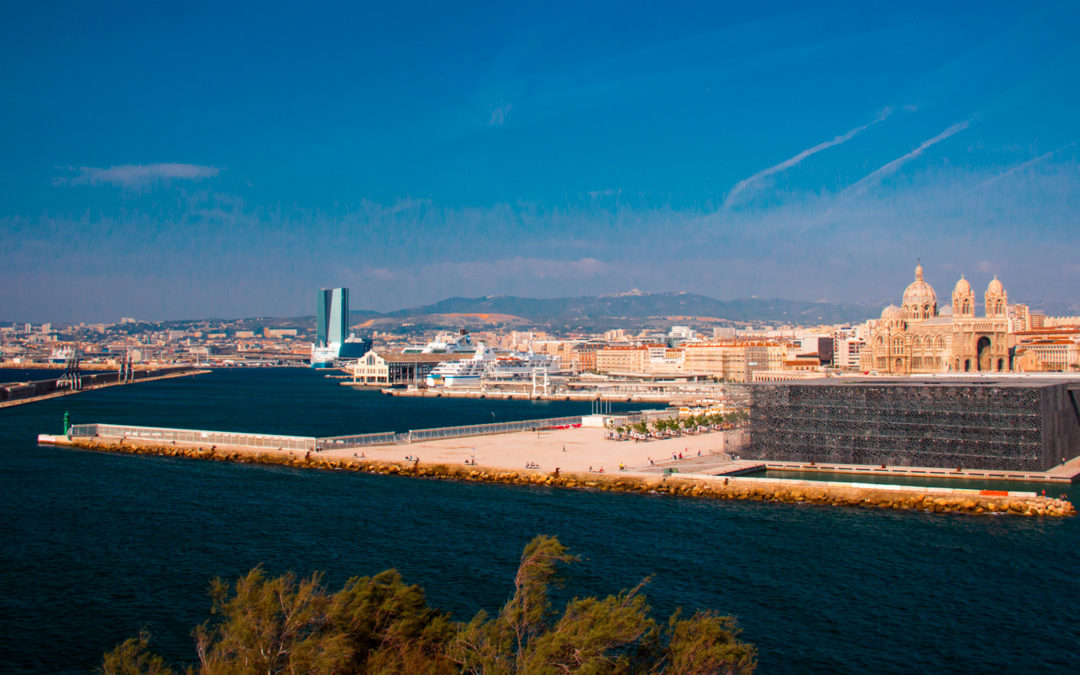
(174,163)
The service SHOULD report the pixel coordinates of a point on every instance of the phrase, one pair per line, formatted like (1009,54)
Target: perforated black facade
(1013,425)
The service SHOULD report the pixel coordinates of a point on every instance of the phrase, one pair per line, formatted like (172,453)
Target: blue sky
(225,159)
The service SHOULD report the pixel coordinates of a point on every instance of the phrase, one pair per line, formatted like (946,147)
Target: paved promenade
(574,450)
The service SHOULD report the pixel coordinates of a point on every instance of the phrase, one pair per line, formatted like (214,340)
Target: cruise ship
(485,364)
(445,343)
(462,373)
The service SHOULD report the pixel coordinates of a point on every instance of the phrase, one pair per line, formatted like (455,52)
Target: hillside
(623,310)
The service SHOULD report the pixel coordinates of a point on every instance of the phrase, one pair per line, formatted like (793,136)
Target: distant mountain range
(604,312)
(623,310)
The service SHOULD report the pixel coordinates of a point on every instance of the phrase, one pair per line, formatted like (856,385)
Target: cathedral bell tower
(963,299)
(997,301)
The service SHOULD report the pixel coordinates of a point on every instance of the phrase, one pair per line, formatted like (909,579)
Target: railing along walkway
(281,442)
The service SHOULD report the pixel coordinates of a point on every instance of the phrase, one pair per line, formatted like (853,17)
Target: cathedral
(918,338)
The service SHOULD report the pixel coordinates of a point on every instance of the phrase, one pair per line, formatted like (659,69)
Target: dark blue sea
(29,374)
(95,546)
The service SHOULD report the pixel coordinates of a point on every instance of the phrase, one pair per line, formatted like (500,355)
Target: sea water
(95,546)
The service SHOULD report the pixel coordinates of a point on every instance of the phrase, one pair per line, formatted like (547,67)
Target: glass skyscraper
(331,316)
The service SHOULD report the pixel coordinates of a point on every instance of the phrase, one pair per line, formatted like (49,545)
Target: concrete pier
(20,393)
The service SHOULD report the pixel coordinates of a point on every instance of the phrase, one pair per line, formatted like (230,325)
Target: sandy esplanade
(584,448)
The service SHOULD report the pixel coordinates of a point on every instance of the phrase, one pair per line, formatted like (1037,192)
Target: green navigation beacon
(67,424)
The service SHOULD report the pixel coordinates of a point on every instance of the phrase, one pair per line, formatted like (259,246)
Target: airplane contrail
(792,161)
(1021,166)
(899,161)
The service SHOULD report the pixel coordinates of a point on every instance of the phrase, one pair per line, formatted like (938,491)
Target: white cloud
(744,184)
(137,175)
(498,115)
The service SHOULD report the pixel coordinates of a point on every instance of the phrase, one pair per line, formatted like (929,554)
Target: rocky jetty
(713,487)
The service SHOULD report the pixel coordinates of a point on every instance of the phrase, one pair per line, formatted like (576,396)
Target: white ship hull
(453,381)
(512,372)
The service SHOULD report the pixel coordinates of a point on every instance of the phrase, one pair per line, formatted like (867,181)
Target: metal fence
(497,428)
(271,441)
(356,441)
(194,436)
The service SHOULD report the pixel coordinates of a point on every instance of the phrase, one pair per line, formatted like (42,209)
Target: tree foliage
(380,624)
(133,657)
(707,643)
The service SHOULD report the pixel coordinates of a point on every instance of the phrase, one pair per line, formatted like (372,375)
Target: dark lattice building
(1017,424)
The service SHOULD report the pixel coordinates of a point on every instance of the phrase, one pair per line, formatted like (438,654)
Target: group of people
(675,456)
(532,465)
(679,455)
(622,467)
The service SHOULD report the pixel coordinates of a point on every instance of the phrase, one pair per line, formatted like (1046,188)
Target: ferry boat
(464,372)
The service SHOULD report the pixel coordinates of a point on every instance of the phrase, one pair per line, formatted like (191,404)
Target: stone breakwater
(711,487)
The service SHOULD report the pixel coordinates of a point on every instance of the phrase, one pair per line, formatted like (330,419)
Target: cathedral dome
(891,313)
(962,286)
(919,293)
(995,287)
